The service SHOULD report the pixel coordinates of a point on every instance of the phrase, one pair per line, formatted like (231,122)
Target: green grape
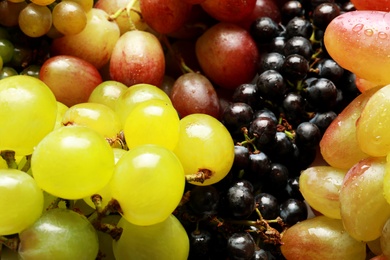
(164,241)
(107,93)
(35,20)
(136,94)
(205,149)
(69,17)
(6,50)
(27,113)
(32,70)
(61,109)
(105,193)
(72,162)
(152,122)
(148,183)
(96,116)
(7,72)
(59,234)
(21,201)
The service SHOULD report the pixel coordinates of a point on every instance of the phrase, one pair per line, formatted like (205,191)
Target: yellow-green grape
(320,186)
(43,2)
(28,111)
(136,94)
(164,241)
(205,149)
(372,127)
(6,51)
(96,116)
(148,183)
(69,17)
(105,193)
(107,93)
(35,20)
(152,122)
(61,109)
(73,162)
(85,4)
(21,201)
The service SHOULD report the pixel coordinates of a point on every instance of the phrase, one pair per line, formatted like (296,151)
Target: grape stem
(248,140)
(9,157)
(128,8)
(201,176)
(10,242)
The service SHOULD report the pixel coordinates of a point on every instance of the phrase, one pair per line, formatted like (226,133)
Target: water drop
(357,27)
(382,35)
(368,32)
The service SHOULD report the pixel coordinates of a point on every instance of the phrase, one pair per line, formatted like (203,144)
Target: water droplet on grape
(357,27)
(382,35)
(368,32)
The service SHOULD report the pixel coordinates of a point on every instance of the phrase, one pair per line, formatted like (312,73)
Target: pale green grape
(136,94)
(60,234)
(69,17)
(61,109)
(163,241)
(21,201)
(105,193)
(152,122)
(107,93)
(35,20)
(73,162)
(28,111)
(96,116)
(205,147)
(148,183)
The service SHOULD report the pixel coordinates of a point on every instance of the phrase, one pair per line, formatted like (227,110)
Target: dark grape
(204,200)
(295,67)
(240,200)
(236,116)
(299,26)
(324,13)
(270,61)
(268,205)
(264,129)
(291,9)
(298,45)
(293,211)
(271,85)
(200,244)
(322,94)
(307,135)
(264,29)
(241,246)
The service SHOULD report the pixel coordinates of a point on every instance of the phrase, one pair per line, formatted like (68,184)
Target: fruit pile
(194,129)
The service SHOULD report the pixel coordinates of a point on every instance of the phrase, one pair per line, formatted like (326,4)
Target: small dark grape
(271,85)
(328,68)
(295,67)
(322,94)
(291,9)
(204,200)
(260,254)
(265,113)
(277,44)
(241,246)
(278,176)
(200,244)
(247,93)
(259,166)
(323,119)
(307,135)
(324,13)
(264,29)
(241,157)
(270,61)
(294,106)
(268,205)
(264,129)
(292,188)
(298,45)
(293,211)
(281,146)
(240,200)
(299,26)
(236,116)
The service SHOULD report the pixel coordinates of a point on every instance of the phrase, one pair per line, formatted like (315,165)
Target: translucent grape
(35,20)
(43,2)
(137,94)
(28,112)
(107,93)
(69,17)
(96,116)
(205,148)
(148,183)
(21,201)
(59,234)
(85,4)
(72,162)
(152,122)
(164,241)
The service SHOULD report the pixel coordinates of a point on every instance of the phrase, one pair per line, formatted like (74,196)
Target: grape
(262,8)
(85,4)
(379,5)
(205,148)
(6,51)
(35,20)
(136,94)
(293,211)
(241,246)
(69,17)
(59,234)
(148,183)
(94,44)
(200,244)
(43,2)
(320,186)
(96,116)
(71,79)
(324,13)
(194,93)
(227,55)
(73,162)
(165,16)
(229,10)
(152,122)
(321,238)
(144,64)
(264,29)
(339,146)
(363,209)
(9,12)
(204,200)
(107,93)
(21,201)
(356,38)
(27,113)
(240,200)
(165,240)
